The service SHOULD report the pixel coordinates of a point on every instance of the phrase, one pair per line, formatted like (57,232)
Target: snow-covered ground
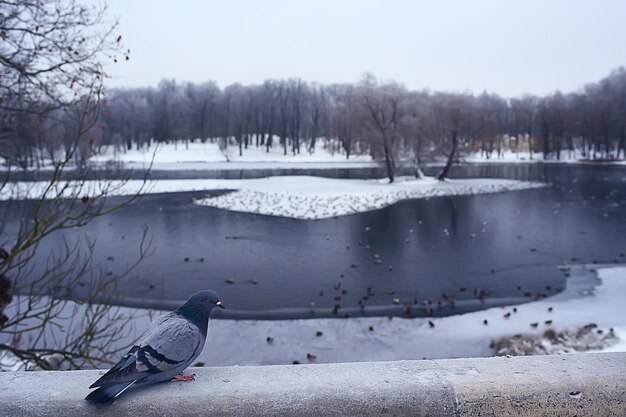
(301,197)
(587,299)
(197,155)
(343,340)
(511,157)
(328,154)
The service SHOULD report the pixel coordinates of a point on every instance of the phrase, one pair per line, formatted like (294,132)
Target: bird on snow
(163,352)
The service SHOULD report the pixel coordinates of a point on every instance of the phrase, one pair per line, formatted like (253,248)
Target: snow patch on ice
(300,197)
(303,197)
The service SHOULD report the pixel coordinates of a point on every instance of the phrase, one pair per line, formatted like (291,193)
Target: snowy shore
(591,297)
(300,197)
(586,299)
(328,154)
(511,157)
(196,155)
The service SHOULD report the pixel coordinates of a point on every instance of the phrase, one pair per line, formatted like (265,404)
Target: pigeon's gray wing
(173,341)
(164,351)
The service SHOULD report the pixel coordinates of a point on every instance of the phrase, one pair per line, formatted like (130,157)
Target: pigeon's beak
(220,305)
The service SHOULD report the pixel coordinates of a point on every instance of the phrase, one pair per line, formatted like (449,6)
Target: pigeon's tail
(107,393)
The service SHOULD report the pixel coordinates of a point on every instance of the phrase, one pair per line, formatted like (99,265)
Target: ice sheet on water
(590,297)
(304,197)
(300,197)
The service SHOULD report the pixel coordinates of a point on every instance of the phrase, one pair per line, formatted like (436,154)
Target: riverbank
(586,299)
(195,155)
(591,297)
(511,157)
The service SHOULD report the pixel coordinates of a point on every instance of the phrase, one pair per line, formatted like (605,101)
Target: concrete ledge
(567,385)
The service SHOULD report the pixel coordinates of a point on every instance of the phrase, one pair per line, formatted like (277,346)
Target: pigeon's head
(200,305)
(205,300)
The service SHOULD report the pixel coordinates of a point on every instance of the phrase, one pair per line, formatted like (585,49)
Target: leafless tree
(318,112)
(382,104)
(523,118)
(51,60)
(452,125)
(345,117)
(413,128)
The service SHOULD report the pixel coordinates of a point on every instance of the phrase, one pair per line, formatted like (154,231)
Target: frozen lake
(505,246)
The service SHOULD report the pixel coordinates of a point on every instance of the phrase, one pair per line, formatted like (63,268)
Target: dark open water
(505,246)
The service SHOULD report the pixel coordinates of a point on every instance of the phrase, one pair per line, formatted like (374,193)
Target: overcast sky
(526,46)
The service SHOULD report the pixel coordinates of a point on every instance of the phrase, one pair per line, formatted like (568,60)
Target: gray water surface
(438,256)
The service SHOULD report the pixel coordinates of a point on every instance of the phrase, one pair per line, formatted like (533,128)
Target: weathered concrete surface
(558,385)
(581,385)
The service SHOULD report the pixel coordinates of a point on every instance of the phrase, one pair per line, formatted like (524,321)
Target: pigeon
(163,352)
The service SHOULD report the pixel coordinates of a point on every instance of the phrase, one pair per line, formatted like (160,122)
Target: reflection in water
(434,256)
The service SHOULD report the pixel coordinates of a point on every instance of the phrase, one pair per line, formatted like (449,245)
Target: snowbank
(300,197)
(584,339)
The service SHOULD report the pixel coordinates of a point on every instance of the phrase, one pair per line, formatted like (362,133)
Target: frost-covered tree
(382,103)
(52,56)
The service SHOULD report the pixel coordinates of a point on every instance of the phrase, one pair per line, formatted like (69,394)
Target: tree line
(383,119)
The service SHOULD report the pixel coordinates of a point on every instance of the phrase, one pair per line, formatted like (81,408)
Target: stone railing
(566,385)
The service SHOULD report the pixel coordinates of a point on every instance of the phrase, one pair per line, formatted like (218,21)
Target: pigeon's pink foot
(183,378)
